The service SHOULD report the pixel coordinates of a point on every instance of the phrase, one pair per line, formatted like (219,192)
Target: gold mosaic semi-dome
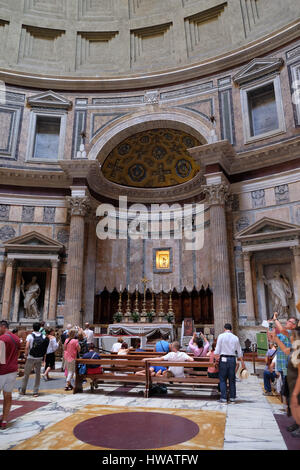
(152,159)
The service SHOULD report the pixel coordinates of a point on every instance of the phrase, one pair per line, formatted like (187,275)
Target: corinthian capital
(78,205)
(216,194)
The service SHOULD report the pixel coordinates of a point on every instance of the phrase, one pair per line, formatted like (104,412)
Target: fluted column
(53,291)
(296,253)
(249,287)
(217,195)
(7,289)
(78,207)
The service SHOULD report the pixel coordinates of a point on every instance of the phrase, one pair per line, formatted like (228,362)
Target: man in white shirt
(116,346)
(228,348)
(89,333)
(175,356)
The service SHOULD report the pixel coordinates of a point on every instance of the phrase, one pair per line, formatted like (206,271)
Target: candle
(120,287)
(136,287)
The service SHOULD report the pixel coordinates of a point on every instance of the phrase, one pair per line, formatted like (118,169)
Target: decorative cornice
(224,154)
(207,67)
(29,177)
(99,184)
(216,194)
(221,152)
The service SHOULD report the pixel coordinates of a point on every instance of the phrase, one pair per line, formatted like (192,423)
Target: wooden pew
(118,370)
(191,379)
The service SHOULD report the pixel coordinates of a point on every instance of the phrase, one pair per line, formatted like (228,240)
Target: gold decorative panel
(152,159)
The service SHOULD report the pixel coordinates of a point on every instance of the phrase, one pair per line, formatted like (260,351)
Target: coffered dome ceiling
(108,38)
(152,159)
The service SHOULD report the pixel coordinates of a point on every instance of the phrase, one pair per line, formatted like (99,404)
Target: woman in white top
(50,354)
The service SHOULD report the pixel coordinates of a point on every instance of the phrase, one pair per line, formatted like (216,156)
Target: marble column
(53,291)
(249,287)
(296,253)
(74,284)
(7,289)
(217,195)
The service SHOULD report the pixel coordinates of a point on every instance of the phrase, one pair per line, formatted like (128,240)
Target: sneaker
(232,400)
(292,427)
(222,400)
(267,394)
(296,433)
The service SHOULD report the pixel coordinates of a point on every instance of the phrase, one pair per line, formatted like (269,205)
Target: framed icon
(162,260)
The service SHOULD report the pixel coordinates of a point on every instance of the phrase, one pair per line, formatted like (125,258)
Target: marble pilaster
(7,289)
(90,271)
(249,286)
(53,291)
(296,254)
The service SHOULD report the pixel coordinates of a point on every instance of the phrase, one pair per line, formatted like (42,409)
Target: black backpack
(39,345)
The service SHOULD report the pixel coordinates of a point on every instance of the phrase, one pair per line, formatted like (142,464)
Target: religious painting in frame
(162,260)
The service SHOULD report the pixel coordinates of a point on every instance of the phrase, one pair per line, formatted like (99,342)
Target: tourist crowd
(282,360)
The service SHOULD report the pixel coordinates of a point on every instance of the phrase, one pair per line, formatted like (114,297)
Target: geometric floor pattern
(190,419)
(140,428)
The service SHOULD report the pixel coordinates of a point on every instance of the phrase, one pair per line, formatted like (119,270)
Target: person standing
(9,353)
(35,350)
(50,354)
(71,349)
(269,373)
(89,333)
(227,348)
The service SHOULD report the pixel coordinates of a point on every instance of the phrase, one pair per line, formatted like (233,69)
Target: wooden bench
(192,378)
(123,370)
(118,370)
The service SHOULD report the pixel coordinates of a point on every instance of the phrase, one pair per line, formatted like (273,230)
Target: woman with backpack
(71,349)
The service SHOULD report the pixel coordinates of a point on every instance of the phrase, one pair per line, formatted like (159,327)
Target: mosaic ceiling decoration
(152,159)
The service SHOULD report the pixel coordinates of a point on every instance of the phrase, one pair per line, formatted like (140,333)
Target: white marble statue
(81,152)
(31,293)
(280,291)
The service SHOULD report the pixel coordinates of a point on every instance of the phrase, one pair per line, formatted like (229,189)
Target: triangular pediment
(33,241)
(268,227)
(49,99)
(258,68)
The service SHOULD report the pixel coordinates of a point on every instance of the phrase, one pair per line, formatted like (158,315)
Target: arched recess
(141,122)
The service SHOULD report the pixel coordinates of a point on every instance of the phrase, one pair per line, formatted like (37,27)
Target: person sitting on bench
(175,356)
(92,369)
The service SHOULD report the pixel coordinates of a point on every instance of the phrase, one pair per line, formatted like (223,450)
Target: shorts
(70,366)
(50,360)
(158,368)
(7,382)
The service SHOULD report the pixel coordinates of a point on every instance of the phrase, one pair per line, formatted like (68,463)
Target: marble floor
(49,421)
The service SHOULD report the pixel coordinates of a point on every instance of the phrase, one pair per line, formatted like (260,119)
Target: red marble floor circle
(136,430)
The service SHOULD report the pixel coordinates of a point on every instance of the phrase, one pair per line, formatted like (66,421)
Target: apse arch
(147,121)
